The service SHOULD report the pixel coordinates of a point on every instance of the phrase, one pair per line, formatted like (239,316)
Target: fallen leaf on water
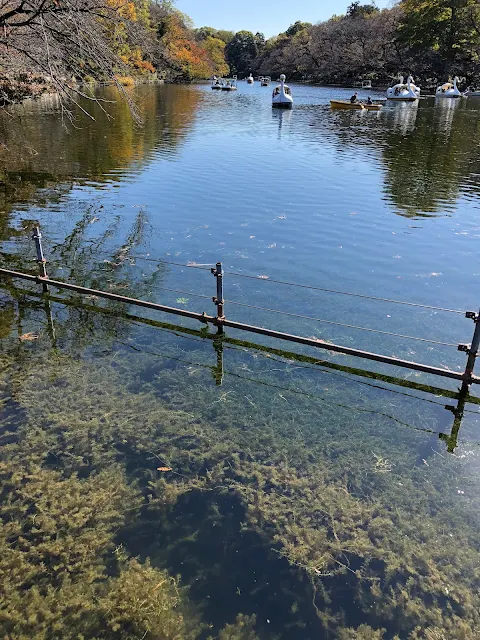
(28,337)
(164,469)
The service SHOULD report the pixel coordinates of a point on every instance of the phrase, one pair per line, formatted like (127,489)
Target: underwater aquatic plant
(303,474)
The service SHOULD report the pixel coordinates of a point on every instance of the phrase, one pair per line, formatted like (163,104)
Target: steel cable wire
(207,267)
(344,293)
(341,324)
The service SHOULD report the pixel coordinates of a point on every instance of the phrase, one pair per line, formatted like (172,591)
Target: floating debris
(28,337)
(164,469)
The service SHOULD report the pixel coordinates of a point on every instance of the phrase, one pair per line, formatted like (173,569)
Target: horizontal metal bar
(289,355)
(109,296)
(202,317)
(406,364)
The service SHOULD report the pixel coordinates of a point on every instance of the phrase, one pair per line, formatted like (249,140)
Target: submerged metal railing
(220,321)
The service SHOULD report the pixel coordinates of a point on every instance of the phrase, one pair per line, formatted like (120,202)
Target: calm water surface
(321,502)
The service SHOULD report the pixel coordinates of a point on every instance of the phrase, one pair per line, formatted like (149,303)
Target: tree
(209,32)
(341,49)
(225,35)
(441,32)
(357,10)
(242,52)
(205,32)
(295,28)
(215,49)
(187,55)
(62,41)
(260,40)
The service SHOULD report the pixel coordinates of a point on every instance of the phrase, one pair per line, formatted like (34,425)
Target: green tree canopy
(448,28)
(242,51)
(357,10)
(295,28)
(210,32)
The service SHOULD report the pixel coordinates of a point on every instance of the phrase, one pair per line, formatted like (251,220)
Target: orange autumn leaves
(124,9)
(130,11)
(196,59)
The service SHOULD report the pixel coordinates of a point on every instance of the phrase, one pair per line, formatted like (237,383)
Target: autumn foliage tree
(65,42)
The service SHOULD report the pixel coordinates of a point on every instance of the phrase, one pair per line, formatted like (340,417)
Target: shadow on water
(229,568)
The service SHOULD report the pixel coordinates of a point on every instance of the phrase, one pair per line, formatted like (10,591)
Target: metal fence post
(218,370)
(471,349)
(458,410)
(42,268)
(218,299)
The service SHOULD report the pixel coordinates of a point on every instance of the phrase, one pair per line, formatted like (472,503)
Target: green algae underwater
(301,502)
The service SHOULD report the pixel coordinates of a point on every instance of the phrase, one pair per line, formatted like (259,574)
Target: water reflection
(446,110)
(404,117)
(426,163)
(40,152)
(283,117)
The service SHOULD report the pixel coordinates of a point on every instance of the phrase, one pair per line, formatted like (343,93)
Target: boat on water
(406,92)
(250,79)
(265,81)
(449,90)
(282,95)
(354,106)
(366,84)
(472,93)
(230,85)
(217,83)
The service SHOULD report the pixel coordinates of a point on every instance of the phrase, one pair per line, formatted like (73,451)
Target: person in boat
(369,100)
(397,91)
(354,98)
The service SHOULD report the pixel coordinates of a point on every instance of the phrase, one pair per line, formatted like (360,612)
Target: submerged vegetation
(139,500)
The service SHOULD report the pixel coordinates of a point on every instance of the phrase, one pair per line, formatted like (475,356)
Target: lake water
(325,502)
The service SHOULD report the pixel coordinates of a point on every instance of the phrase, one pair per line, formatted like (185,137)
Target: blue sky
(268,16)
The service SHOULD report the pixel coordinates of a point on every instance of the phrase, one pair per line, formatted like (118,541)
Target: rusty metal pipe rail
(221,322)
(202,317)
(368,355)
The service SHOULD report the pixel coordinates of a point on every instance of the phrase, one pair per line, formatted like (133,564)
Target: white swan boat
(250,79)
(217,83)
(282,95)
(265,81)
(472,93)
(449,90)
(406,92)
(230,85)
